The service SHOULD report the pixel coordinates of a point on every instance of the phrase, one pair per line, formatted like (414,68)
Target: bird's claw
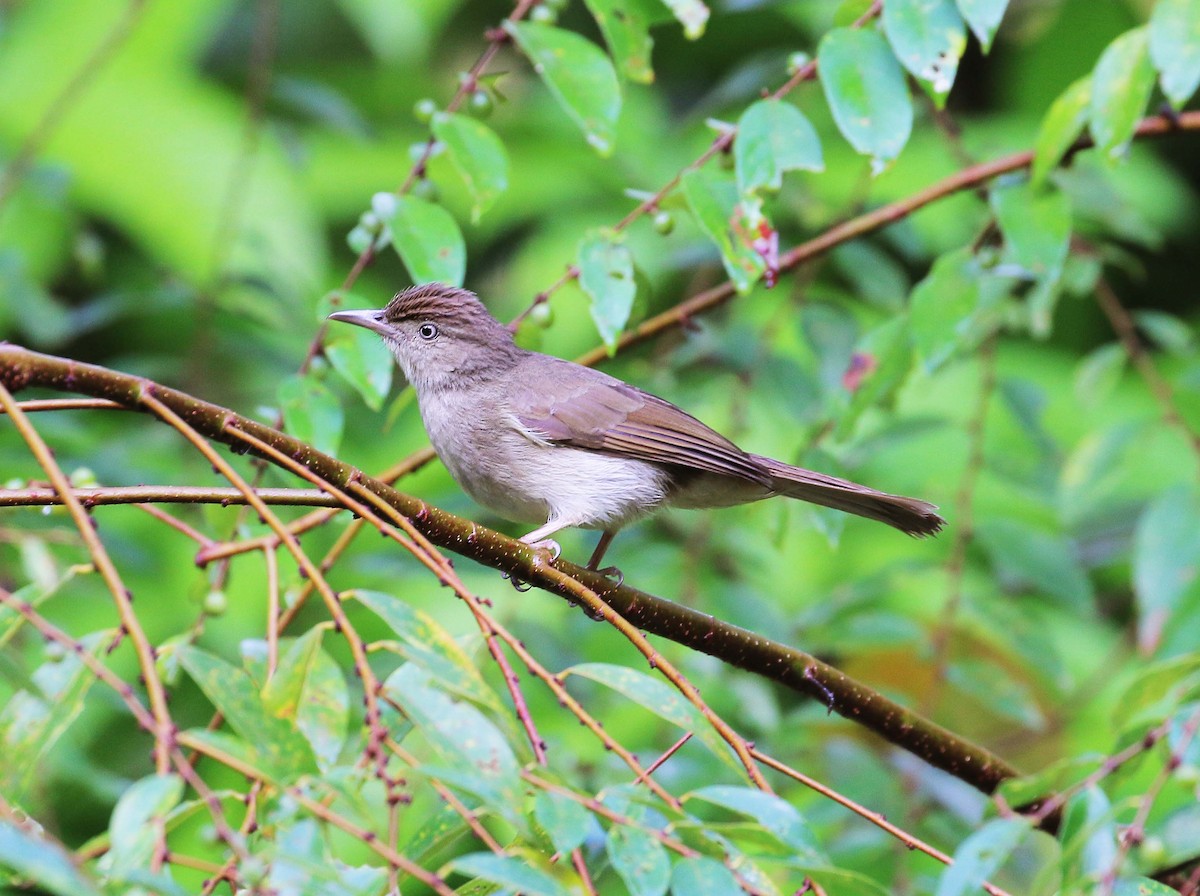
(614,574)
(548,544)
(518,584)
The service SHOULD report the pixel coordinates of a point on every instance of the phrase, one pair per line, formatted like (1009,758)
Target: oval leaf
(1121,85)
(626,30)
(984,18)
(774,137)
(429,242)
(477,154)
(362,359)
(864,86)
(1175,47)
(513,873)
(776,816)
(1061,126)
(565,821)
(702,876)
(1166,560)
(136,824)
(713,199)
(579,76)
(41,862)
(640,860)
(1036,225)
(311,412)
(980,855)
(606,275)
(929,38)
(692,15)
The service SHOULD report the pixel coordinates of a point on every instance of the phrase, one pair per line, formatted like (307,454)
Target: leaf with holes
(774,137)
(984,18)
(606,275)
(929,38)
(579,76)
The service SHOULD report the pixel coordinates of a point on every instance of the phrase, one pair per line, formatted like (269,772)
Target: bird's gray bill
(368,319)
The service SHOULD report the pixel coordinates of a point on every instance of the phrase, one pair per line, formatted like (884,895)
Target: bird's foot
(547,544)
(614,574)
(518,584)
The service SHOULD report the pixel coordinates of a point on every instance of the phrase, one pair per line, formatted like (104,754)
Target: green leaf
(45,864)
(513,873)
(1061,127)
(1175,47)
(137,822)
(1142,886)
(626,30)
(429,242)
(640,860)
(425,642)
(1171,333)
(565,821)
(702,876)
(1027,556)
(774,137)
(1166,560)
(606,275)
(658,697)
(1036,225)
(1098,374)
(884,355)
(776,816)
(692,15)
(994,687)
(977,859)
(1121,86)
(477,750)
(311,412)
(929,38)
(309,690)
(984,18)
(279,747)
(579,76)
(1089,834)
(951,309)
(865,89)
(713,199)
(477,154)
(362,359)
(36,717)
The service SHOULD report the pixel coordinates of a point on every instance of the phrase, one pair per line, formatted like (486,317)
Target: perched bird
(539,439)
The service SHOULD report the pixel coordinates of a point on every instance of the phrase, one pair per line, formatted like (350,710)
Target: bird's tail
(909,515)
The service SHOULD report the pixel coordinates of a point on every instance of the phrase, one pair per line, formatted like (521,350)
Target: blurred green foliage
(186,186)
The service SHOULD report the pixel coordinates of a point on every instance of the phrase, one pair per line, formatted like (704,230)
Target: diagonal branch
(21,368)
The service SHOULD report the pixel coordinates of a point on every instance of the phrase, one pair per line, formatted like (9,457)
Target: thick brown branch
(165,494)
(21,368)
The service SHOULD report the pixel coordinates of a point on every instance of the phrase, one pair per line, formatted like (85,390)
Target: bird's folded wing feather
(603,414)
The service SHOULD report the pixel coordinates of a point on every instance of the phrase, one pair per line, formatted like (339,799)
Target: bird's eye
(427,331)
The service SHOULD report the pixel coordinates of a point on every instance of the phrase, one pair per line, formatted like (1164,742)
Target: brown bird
(536,438)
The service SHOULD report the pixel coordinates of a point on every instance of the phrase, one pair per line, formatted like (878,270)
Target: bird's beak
(369,319)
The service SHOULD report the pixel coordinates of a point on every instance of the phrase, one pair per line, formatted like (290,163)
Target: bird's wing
(585,408)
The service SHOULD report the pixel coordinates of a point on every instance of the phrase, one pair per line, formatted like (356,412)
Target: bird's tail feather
(909,515)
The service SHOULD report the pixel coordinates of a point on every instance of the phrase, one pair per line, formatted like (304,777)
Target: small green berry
(542,315)
(480,104)
(664,221)
(543,15)
(796,61)
(425,189)
(215,603)
(424,110)
(55,652)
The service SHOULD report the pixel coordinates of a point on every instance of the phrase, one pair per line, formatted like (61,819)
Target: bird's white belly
(549,482)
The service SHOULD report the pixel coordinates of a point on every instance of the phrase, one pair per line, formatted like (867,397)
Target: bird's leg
(610,572)
(539,542)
